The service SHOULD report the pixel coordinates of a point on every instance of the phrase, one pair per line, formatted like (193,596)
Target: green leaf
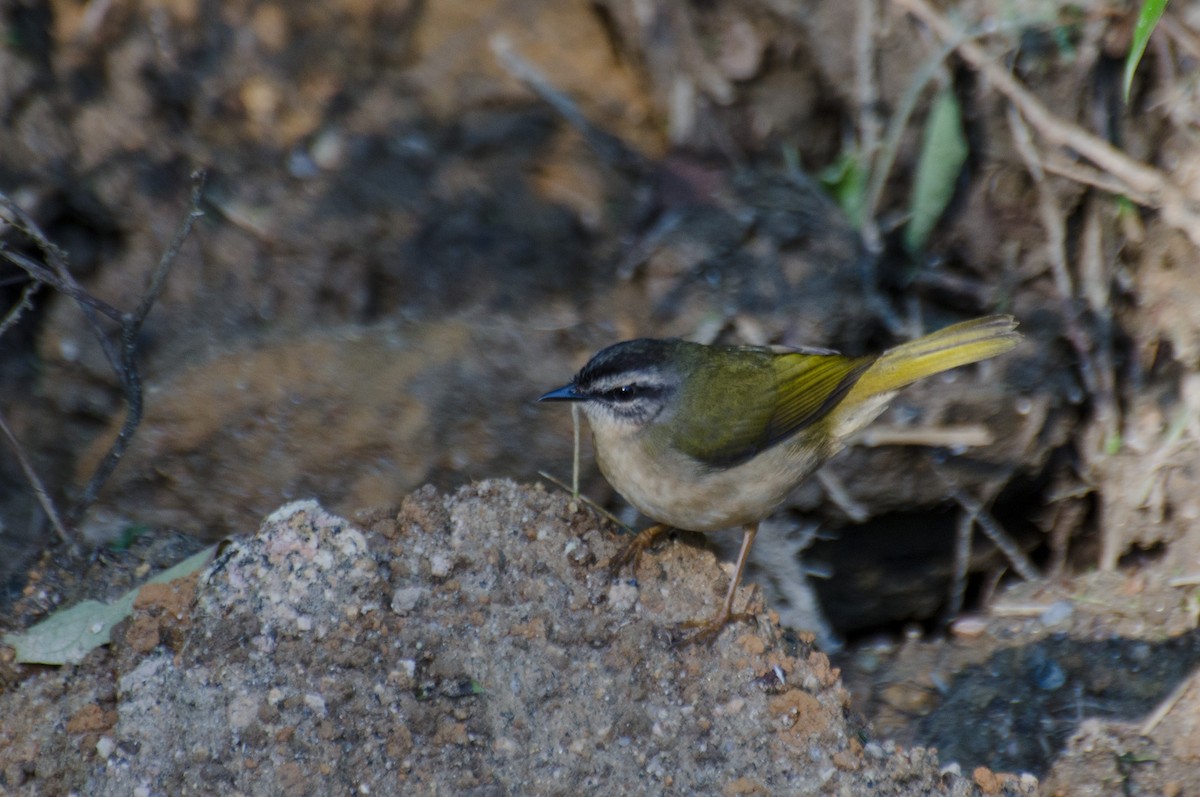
(1147,21)
(66,636)
(184,568)
(943,153)
(128,536)
(846,180)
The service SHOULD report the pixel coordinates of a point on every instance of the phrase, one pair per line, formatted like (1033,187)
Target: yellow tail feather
(959,344)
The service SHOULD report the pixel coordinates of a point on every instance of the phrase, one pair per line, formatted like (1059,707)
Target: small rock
(440,565)
(987,781)
(969,627)
(622,596)
(1057,613)
(328,150)
(405,599)
(315,702)
(1049,675)
(105,747)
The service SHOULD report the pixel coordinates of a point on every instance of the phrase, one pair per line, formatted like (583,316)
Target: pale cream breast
(672,488)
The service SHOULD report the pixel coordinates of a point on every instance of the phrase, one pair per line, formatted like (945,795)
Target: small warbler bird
(706,438)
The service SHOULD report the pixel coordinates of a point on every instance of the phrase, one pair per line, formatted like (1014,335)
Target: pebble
(328,150)
(1049,675)
(439,565)
(969,627)
(622,596)
(1057,613)
(405,599)
(315,702)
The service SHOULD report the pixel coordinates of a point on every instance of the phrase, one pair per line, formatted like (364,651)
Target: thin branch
(131,379)
(60,277)
(994,532)
(575,460)
(1086,174)
(1092,341)
(881,166)
(35,482)
(1164,708)
(866,96)
(604,512)
(1179,209)
(1088,350)
(23,304)
(611,149)
(158,280)
(44,275)
(841,497)
(57,273)
(968,435)
(1095,276)
(962,563)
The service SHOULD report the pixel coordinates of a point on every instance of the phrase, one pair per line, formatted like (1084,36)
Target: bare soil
(470,645)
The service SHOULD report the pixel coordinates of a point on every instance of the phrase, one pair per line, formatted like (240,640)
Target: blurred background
(419,216)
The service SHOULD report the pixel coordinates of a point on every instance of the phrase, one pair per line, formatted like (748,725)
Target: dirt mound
(470,645)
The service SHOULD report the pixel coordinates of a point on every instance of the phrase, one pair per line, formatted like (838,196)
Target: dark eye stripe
(624,393)
(632,392)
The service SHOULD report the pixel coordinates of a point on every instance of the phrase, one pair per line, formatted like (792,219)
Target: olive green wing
(808,387)
(752,399)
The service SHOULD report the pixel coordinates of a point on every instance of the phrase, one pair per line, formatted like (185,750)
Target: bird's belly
(678,491)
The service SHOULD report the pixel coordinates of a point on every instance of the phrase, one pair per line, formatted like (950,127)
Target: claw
(632,553)
(711,629)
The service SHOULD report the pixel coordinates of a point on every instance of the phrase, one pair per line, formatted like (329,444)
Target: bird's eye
(625,392)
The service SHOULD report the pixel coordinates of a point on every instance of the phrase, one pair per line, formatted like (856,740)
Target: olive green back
(741,401)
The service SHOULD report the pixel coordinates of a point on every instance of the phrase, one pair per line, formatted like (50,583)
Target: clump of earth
(472,644)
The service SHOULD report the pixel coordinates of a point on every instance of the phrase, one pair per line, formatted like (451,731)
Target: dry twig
(962,563)
(575,495)
(969,435)
(119,350)
(1164,708)
(866,94)
(131,327)
(841,498)
(994,532)
(39,489)
(610,148)
(18,309)
(1145,184)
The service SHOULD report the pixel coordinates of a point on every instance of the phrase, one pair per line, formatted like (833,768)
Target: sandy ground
(472,644)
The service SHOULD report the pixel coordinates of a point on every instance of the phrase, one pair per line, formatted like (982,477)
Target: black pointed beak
(564,393)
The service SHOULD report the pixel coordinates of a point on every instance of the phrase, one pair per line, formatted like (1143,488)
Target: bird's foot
(710,629)
(631,554)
